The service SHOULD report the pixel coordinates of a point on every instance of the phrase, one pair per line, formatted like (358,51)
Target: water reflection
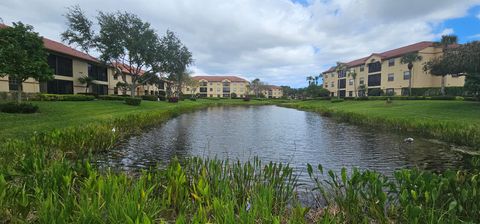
(277,134)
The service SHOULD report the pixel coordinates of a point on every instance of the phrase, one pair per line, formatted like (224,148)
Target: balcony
(374,67)
(342,83)
(374,80)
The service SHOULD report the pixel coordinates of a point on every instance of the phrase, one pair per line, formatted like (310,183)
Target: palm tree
(341,67)
(319,76)
(446,41)
(310,80)
(353,74)
(409,59)
(87,81)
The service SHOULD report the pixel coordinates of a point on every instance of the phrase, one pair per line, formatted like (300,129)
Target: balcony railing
(374,67)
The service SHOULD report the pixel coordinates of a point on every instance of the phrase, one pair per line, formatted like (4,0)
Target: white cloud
(275,40)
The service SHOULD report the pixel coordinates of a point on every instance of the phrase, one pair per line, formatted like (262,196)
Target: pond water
(278,134)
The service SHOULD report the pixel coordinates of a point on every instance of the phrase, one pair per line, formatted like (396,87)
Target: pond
(279,134)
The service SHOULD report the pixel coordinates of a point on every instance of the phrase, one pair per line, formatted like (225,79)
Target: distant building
(218,86)
(271,91)
(383,71)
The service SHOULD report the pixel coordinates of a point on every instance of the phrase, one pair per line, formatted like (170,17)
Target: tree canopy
(22,55)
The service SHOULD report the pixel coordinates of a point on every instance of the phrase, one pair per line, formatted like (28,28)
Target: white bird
(408,140)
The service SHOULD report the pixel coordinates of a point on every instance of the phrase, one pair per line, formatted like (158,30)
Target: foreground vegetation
(451,121)
(46,177)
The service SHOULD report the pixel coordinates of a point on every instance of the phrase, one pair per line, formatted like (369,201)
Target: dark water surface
(278,134)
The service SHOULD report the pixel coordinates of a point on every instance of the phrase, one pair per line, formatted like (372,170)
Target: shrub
(323,98)
(150,97)
(111,97)
(443,98)
(133,101)
(65,97)
(23,108)
(173,99)
(470,98)
(363,98)
(336,100)
(162,98)
(246,98)
(375,92)
(233,95)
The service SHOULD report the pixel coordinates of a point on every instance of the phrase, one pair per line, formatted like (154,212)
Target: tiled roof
(390,54)
(125,68)
(219,78)
(62,48)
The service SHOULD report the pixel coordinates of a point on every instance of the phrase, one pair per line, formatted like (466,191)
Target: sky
(279,41)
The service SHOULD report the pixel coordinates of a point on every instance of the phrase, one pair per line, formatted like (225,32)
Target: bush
(111,97)
(246,98)
(150,97)
(363,98)
(323,92)
(173,100)
(375,92)
(233,95)
(23,108)
(443,98)
(323,98)
(162,98)
(66,97)
(471,98)
(336,100)
(133,101)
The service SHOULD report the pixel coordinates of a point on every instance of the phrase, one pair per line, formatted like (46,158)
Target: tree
(255,86)
(177,59)
(440,66)
(353,74)
(23,56)
(409,59)
(87,81)
(124,41)
(192,84)
(311,80)
(124,87)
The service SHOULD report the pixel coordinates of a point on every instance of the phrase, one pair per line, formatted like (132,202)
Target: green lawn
(435,110)
(62,114)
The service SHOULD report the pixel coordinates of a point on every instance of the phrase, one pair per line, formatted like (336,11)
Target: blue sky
(279,41)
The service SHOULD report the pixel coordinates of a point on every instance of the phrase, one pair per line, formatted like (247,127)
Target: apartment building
(384,71)
(145,89)
(68,65)
(218,86)
(272,91)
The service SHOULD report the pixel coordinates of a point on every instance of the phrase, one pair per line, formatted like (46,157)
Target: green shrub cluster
(23,108)
(112,97)
(336,100)
(133,101)
(150,97)
(65,97)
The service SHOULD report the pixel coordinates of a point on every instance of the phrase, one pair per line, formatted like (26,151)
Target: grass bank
(451,121)
(45,177)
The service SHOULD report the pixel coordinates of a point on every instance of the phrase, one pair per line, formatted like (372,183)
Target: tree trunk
(19,92)
(133,89)
(443,86)
(410,83)
(355,88)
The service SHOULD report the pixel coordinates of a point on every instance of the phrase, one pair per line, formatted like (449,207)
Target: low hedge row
(133,101)
(65,97)
(112,97)
(150,97)
(23,108)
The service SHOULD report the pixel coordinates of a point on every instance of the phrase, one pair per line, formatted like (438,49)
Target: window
(12,84)
(374,80)
(362,81)
(162,85)
(203,89)
(100,89)
(350,93)
(362,68)
(226,87)
(115,76)
(326,85)
(188,89)
(374,67)
(332,84)
(60,65)
(203,83)
(211,89)
(391,77)
(405,91)
(115,90)
(342,83)
(342,74)
(350,82)
(391,62)
(326,76)
(59,87)
(145,92)
(226,95)
(406,75)
(97,72)
(390,92)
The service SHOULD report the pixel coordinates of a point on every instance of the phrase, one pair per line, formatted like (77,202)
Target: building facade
(385,72)
(218,86)
(271,91)
(68,66)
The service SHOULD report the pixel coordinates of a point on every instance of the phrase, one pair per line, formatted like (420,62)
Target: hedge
(23,108)
(133,101)
(150,97)
(111,97)
(65,97)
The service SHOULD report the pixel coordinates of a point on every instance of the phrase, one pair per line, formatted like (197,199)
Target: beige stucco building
(218,86)
(384,71)
(271,91)
(69,65)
